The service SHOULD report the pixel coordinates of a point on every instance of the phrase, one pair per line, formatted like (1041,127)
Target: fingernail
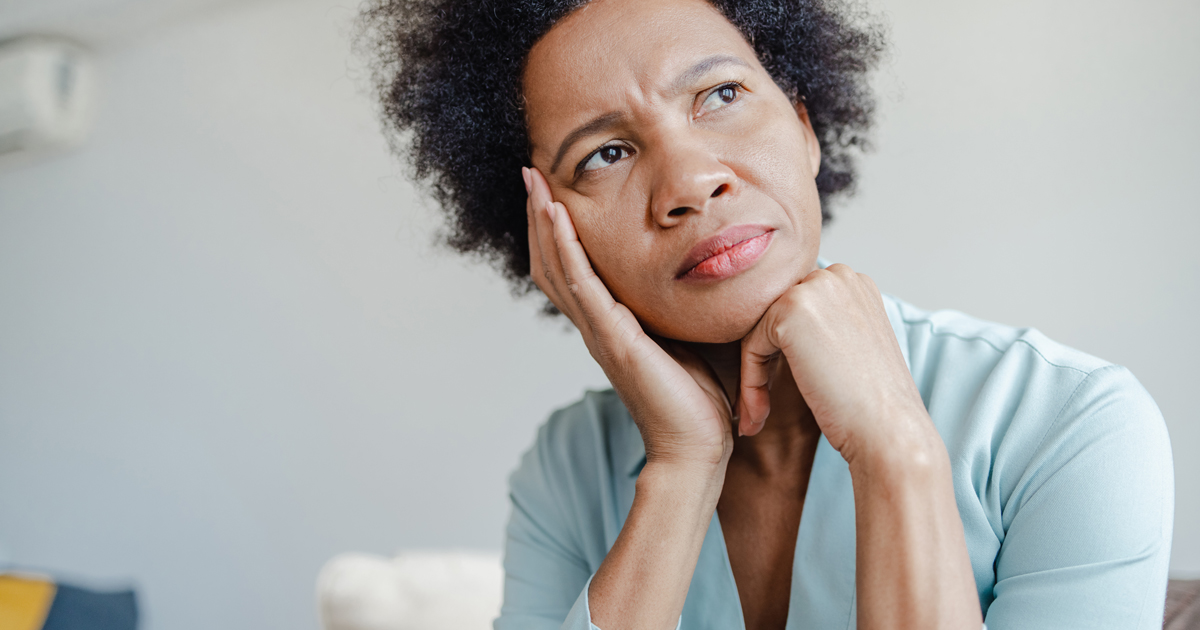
(525,176)
(552,211)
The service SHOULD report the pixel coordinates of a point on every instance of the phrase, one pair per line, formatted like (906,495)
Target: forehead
(611,54)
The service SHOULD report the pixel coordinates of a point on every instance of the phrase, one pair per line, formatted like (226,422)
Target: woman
(783,446)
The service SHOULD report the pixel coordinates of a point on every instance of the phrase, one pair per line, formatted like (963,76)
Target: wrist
(904,447)
(690,482)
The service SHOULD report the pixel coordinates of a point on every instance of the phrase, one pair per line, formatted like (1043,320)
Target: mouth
(727,254)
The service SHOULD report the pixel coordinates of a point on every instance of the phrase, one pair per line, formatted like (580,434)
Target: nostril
(677,212)
(720,190)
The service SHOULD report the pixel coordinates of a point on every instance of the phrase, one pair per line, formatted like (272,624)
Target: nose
(688,181)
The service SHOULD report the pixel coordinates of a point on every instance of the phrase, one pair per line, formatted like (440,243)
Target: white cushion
(416,590)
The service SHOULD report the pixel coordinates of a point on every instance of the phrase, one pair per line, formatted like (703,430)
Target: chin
(718,318)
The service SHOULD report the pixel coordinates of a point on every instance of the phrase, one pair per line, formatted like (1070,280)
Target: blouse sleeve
(1088,538)
(546,575)
(556,531)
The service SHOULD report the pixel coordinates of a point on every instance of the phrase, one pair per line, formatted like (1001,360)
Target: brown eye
(603,157)
(719,98)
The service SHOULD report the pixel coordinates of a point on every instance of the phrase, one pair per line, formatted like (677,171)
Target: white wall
(229,351)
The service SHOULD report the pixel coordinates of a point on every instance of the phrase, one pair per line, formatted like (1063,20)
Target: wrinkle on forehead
(612,55)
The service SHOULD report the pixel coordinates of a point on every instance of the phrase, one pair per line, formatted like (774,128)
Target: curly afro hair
(448,75)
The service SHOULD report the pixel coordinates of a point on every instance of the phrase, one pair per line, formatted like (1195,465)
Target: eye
(604,156)
(720,97)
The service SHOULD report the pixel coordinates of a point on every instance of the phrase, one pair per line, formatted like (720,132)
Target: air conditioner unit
(46,95)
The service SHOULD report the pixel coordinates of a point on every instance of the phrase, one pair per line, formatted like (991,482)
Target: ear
(810,137)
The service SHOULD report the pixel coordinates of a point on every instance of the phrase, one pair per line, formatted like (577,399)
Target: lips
(726,254)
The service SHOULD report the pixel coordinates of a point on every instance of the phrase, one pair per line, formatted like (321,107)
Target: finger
(816,273)
(535,251)
(841,269)
(754,391)
(588,289)
(539,197)
(538,268)
(552,266)
(872,290)
(541,237)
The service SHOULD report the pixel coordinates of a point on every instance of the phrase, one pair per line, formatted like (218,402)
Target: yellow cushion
(24,602)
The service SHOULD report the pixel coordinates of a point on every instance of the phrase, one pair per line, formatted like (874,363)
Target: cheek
(773,158)
(776,156)
(611,230)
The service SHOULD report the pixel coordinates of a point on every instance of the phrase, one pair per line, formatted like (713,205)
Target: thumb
(754,390)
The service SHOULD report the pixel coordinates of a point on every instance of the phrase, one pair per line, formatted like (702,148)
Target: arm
(645,577)
(912,566)
(681,411)
(554,541)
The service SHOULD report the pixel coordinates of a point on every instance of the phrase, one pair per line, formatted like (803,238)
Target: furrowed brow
(597,124)
(683,82)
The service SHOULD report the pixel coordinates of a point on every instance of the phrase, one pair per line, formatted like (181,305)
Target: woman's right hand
(682,411)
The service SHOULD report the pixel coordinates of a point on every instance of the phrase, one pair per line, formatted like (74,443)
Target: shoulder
(1015,408)
(963,362)
(1061,464)
(933,335)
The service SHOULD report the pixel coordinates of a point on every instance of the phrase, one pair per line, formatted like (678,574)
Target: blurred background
(230,349)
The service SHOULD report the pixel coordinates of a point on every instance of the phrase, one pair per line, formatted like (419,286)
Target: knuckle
(609,353)
(795,298)
(868,282)
(818,278)
(841,269)
(574,287)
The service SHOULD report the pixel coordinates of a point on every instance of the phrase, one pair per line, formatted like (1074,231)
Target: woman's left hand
(912,567)
(835,334)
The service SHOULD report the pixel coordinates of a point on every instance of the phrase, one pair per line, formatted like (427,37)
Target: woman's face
(688,173)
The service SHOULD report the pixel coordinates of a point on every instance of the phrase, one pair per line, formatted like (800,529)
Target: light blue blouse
(1062,473)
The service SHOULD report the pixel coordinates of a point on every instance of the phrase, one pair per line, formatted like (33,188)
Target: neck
(790,431)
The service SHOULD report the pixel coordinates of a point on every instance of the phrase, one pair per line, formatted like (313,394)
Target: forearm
(913,570)
(644,579)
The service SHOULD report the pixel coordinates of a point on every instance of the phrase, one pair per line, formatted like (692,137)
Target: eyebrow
(611,119)
(597,124)
(697,72)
